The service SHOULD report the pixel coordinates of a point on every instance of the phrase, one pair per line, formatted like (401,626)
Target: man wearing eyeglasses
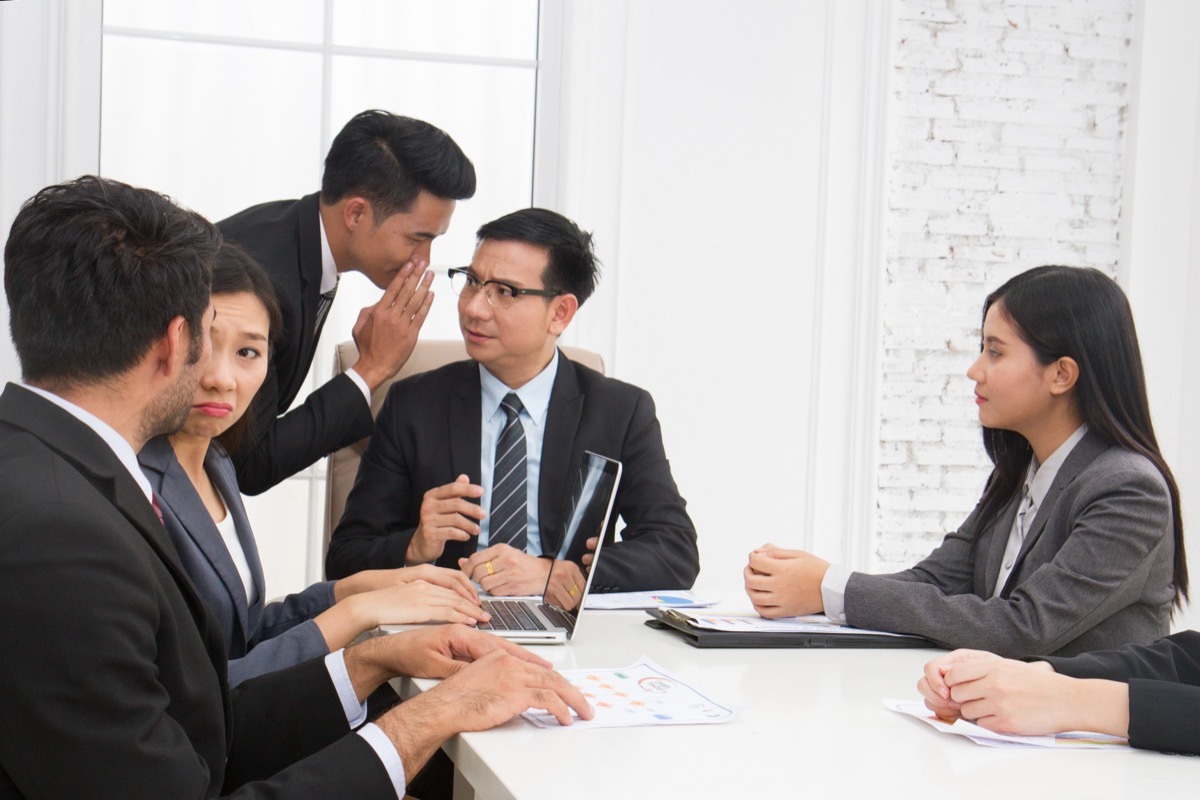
(469,464)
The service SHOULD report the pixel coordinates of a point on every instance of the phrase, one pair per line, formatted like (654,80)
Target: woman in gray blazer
(196,490)
(1077,542)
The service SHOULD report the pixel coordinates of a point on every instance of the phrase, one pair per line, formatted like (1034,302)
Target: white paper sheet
(1070,740)
(638,695)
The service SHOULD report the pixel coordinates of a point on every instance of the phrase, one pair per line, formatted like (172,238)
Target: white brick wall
(1006,154)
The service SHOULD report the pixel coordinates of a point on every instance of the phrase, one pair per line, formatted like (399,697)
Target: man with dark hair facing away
(389,189)
(113,675)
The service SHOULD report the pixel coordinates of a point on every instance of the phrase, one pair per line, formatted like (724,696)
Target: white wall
(1161,262)
(728,157)
(49,109)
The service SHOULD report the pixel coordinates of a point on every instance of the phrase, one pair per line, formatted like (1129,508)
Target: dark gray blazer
(260,637)
(1095,571)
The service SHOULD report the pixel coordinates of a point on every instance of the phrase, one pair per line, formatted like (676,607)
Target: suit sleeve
(1164,688)
(96,716)
(97,721)
(658,547)
(1119,520)
(332,417)
(381,515)
(287,635)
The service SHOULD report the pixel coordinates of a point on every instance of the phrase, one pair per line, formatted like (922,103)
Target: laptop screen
(590,503)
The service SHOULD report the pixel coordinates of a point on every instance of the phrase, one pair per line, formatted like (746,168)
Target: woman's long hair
(1080,314)
(236,272)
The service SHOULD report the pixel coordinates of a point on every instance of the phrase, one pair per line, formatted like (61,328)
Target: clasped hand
(784,583)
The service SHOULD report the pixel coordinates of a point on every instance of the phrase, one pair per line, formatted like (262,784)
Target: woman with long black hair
(1077,542)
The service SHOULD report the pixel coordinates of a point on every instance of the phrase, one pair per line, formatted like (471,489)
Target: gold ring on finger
(490,569)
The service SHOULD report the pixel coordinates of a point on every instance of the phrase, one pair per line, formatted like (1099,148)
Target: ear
(168,355)
(356,212)
(1063,374)
(564,308)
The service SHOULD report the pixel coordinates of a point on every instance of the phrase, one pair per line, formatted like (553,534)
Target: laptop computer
(589,506)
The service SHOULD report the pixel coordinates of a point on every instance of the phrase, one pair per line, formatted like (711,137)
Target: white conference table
(810,721)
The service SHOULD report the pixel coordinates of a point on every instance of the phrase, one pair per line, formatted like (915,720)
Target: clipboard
(814,635)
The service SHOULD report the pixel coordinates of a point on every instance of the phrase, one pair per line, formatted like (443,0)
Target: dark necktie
(508,515)
(323,309)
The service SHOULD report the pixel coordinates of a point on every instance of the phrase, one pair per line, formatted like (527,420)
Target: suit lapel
(83,449)
(558,453)
(308,234)
(185,513)
(993,544)
(1079,459)
(221,470)
(464,414)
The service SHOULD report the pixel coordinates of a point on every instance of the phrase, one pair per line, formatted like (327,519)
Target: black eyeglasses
(499,295)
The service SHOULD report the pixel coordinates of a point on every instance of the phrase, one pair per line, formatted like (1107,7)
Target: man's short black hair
(389,160)
(571,267)
(94,272)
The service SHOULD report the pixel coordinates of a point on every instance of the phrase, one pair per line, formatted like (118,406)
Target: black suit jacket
(285,238)
(113,675)
(429,431)
(1164,688)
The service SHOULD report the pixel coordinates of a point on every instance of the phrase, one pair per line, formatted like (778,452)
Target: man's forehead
(495,259)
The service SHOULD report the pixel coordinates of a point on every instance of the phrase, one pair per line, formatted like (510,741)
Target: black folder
(676,622)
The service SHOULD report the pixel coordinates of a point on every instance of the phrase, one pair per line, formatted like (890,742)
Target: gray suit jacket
(1095,570)
(260,637)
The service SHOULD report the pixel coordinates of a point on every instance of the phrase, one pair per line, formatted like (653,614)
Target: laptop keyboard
(510,615)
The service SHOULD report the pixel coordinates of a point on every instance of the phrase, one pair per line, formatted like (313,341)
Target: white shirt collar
(1040,477)
(535,395)
(329,273)
(121,448)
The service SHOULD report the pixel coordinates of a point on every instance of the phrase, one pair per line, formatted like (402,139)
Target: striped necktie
(508,515)
(323,309)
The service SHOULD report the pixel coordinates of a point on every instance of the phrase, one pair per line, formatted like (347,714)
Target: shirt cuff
(356,712)
(352,373)
(386,751)
(833,592)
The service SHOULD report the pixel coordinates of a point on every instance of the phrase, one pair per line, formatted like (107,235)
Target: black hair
(1080,314)
(237,273)
(94,272)
(571,266)
(389,160)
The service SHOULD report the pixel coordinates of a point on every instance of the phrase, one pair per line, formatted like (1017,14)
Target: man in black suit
(389,189)
(113,675)
(425,490)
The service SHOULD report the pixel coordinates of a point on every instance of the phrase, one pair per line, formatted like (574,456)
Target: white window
(225,104)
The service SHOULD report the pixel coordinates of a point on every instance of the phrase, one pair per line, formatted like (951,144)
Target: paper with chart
(643,600)
(641,694)
(1071,740)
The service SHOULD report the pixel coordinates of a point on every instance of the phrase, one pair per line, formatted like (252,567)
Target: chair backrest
(427,355)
